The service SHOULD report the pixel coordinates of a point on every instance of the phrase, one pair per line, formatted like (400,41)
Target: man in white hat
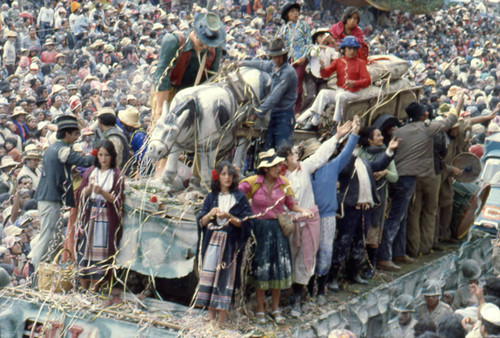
(55,188)
(30,168)
(9,53)
(182,54)
(490,320)
(7,165)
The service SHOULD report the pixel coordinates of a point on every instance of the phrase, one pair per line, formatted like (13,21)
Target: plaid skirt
(216,285)
(93,245)
(272,261)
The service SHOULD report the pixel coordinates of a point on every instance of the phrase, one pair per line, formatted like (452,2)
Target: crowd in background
(95,61)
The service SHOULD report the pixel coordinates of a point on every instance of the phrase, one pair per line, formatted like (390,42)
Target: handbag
(54,277)
(286,223)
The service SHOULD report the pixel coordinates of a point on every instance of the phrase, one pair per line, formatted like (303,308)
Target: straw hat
(56,89)
(59,56)
(12,230)
(130,117)
(42,125)
(19,111)
(454,90)
(269,159)
(8,161)
(11,34)
(32,155)
(49,42)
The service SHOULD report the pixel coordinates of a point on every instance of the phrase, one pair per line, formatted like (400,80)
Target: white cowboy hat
(130,117)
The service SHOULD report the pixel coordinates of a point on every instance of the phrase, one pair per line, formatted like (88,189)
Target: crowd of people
(82,84)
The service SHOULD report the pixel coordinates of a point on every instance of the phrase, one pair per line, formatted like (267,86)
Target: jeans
(280,129)
(49,215)
(394,236)
(352,230)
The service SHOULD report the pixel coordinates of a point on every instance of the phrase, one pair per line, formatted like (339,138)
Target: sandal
(278,318)
(260,317)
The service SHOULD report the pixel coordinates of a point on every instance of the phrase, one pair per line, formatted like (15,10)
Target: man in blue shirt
(281,100)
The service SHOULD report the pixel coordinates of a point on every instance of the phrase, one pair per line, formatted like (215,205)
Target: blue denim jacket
(283,86)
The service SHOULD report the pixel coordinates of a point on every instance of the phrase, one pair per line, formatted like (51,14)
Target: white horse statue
(201,120)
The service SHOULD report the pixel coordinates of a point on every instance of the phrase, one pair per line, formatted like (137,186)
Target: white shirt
(9,53)
(300,178)
(102,179)
(46,15)
(226,202)
(317,53)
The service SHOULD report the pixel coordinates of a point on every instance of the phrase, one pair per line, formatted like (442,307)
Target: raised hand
(344,129)
(394,143)
(355,125)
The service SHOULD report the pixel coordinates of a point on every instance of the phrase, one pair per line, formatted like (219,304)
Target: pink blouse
(262,203)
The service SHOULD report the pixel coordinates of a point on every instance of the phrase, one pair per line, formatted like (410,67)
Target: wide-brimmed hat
(277,47)
(10,77)
(286,8)
(8,161)
(477,64)
(454,90)
(97,43)
(209,29)
(130,117)
(319,31)
(350,41)
(11,34)
(19,111)
(42,125)
(49,42)
(269,159)
(12,230)
(67,122)
(32,155)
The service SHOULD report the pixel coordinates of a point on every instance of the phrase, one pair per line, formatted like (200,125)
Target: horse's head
(167,128)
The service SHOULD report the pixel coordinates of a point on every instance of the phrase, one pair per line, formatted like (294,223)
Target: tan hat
(130,117)
(454,90)
(125,41)
(11,34)
(32,155)
(56,89)
(269,159)
(131,97)
(7,161)
(106,110)
(19,111)
(49,42)
(12,230)
(97,43)
(157,26)
(109,48)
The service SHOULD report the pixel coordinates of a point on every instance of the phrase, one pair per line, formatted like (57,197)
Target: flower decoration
(94,152)
(215,175)
(154,199)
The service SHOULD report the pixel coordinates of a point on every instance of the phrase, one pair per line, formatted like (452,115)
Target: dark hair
(284,150)
(424,325)
(11,140)
(492,287)
(349,11)
(107,120)
(366,134)
(428,334)
(451,326)
(110,148)
(491,329)
(60,134)
(232,171)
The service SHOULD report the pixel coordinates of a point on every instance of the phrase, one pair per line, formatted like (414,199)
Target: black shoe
(333,286)
(368,274)
(359,280)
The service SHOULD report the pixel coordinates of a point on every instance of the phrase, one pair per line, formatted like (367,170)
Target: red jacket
(337,31)
(348,69)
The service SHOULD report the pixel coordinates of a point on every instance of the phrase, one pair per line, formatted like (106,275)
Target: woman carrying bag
(272,265)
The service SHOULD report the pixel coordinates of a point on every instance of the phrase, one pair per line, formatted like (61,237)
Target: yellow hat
(106,110)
